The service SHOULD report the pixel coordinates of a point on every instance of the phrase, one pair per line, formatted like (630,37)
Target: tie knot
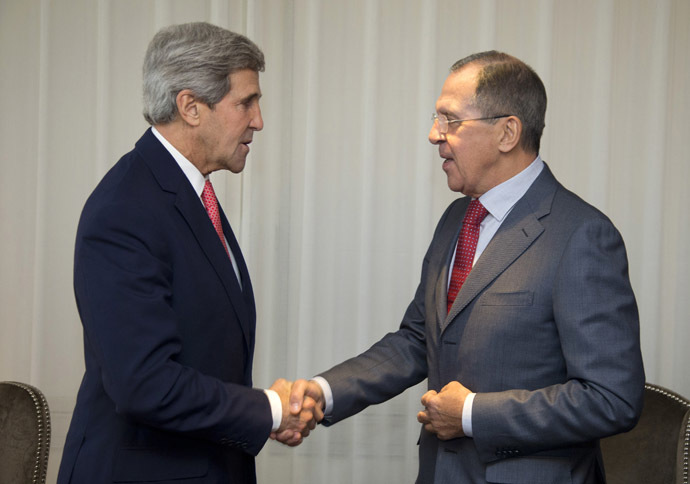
(475,213)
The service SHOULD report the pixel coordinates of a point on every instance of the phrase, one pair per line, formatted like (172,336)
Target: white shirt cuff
(467,415)
(276,408)
(327,394)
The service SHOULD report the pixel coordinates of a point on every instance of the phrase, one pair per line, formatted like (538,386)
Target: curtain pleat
(342,190)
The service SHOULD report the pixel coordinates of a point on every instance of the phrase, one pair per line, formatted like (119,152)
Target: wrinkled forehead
(244,83)
(457,93)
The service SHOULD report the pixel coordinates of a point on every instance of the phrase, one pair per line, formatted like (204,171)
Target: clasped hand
(303,404)
(442,414)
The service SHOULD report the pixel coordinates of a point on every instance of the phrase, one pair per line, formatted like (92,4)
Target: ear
(510,134)
(188,107)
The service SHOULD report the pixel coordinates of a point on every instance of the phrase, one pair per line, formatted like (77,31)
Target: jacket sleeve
(598,325)
(393,364)
(123,288)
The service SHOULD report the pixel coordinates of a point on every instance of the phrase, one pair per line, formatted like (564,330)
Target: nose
(435,137)
(257,122)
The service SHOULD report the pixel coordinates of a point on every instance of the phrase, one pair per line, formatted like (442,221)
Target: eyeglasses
(443,121)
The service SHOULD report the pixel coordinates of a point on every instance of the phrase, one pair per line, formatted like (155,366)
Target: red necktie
(208,196)
(467,244)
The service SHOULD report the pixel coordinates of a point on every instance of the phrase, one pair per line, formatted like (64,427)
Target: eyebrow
(251,97)
(447,113)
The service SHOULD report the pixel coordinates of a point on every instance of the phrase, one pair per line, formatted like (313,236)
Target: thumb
(297,396)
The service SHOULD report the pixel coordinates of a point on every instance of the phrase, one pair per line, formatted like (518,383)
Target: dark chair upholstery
(24,434)
(657,450)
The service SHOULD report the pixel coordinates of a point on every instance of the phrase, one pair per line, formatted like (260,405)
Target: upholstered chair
(657,450)
(24,434)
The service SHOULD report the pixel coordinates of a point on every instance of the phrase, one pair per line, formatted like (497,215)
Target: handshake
(303,406)
(304,403)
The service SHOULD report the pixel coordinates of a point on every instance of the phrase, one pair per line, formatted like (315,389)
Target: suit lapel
(442,294)
(247,293)
(515,235)
(171,179)
(448,241)
(234,246)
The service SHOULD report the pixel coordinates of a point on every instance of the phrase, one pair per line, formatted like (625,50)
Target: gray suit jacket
(545,330)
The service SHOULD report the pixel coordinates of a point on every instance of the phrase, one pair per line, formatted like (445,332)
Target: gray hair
(196,56)
(506,85)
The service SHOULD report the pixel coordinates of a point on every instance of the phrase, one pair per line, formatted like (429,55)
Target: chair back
(657,450)
(24,434)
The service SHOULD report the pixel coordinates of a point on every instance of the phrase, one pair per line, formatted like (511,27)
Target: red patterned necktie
(467,244)
(208,196)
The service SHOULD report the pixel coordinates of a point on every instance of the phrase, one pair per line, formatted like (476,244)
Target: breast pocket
(520,298)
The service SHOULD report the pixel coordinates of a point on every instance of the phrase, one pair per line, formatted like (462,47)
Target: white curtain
(342,189)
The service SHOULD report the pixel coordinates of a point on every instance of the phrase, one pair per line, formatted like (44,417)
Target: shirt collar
(502,198)
(191,172)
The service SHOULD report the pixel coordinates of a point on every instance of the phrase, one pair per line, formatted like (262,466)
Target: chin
(236,169)
(236,166)
(454,186)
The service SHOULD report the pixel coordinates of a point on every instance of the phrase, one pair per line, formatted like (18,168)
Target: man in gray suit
(538,355)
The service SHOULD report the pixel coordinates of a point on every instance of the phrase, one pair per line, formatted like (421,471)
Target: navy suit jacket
(545,330)
(168,336)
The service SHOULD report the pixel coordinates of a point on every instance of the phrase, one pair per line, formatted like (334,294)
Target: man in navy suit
(163,291)
(533,355)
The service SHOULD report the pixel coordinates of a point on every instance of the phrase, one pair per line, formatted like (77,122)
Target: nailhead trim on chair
(43,420)
(686,440)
